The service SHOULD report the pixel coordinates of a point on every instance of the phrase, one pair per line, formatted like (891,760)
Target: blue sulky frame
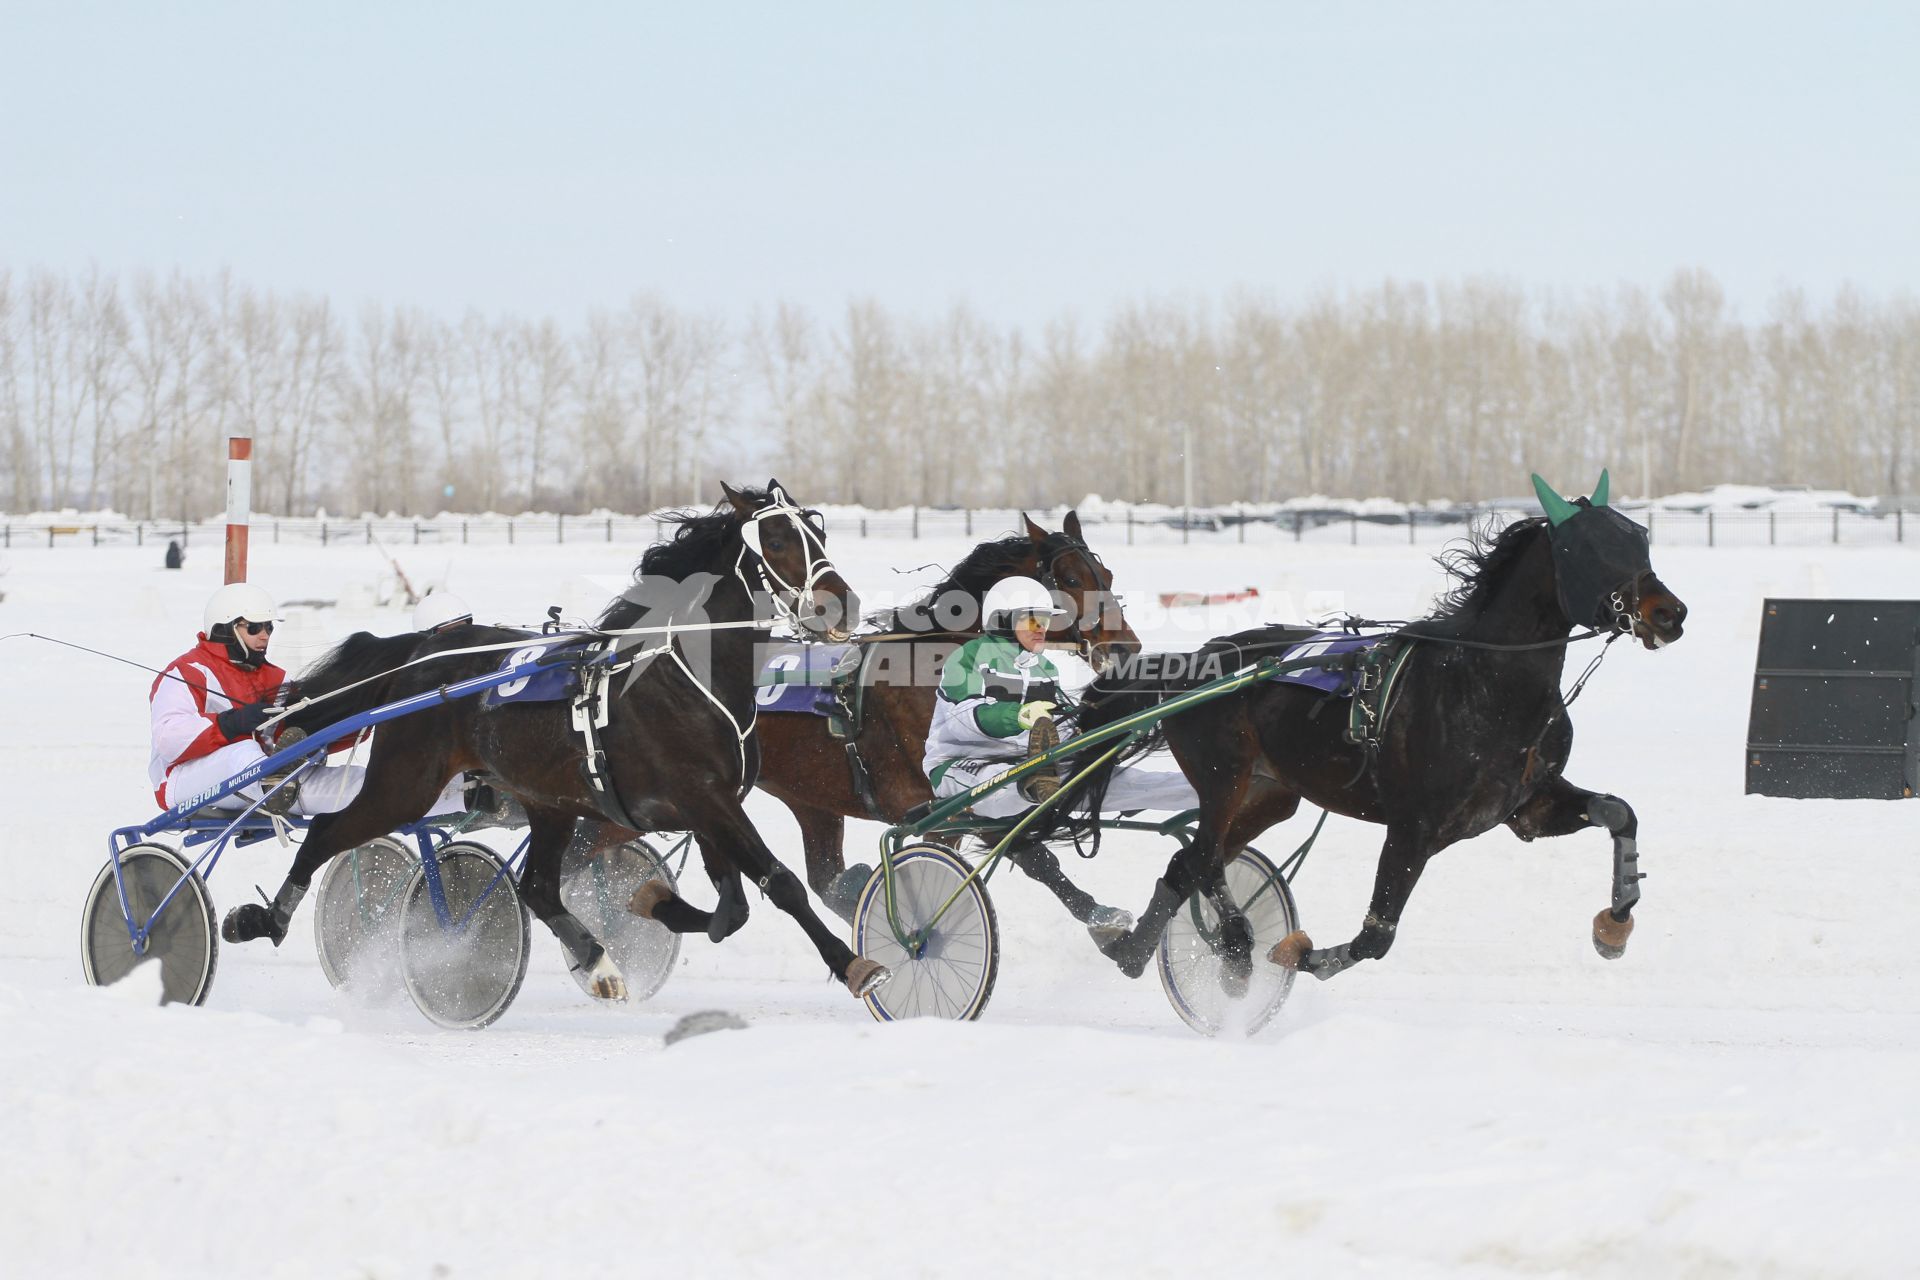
(249,825)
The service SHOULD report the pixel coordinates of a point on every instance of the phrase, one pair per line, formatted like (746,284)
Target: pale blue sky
(1033,159)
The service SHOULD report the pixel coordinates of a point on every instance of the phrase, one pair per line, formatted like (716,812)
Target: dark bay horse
(1476,733)
(678,745)
(809,770)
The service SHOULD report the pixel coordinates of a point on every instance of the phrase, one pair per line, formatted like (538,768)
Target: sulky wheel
(183,938)
(943,968)
(1191,969)
(356,918)
(464,972)
(595,889)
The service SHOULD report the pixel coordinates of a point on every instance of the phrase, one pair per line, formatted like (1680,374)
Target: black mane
(698,545)
(983,566)
(1479,565)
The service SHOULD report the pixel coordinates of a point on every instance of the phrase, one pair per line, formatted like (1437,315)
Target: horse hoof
(648,897)
(863,975)
(1291,950)
(1107,925)
(1610,935)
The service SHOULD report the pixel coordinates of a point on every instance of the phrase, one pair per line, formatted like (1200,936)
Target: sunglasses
(253,628)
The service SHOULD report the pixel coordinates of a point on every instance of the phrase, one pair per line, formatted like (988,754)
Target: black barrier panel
(1833,700)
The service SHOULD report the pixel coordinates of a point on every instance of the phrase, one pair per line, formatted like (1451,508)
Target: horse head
(1603,569)
(789,543)
(1069,568)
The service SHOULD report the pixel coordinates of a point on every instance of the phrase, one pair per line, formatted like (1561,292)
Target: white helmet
(236,600)
(1012,597)
(439,609)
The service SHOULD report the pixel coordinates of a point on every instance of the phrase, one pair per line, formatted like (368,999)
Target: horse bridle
(786,596)
(1057,545)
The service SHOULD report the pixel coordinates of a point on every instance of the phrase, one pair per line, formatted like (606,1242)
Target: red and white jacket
(184,709)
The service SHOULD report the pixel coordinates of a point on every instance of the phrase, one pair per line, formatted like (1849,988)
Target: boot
(280,803)
(1042,783)
(253,920)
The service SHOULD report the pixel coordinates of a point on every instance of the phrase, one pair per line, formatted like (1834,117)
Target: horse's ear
(777,493)
(1034,531)
(1556,507)
(1072,525)
(736,498)
(1599,498)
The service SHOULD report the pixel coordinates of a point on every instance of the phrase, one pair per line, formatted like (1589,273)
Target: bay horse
(679,751)
(1475,734)
(812,772)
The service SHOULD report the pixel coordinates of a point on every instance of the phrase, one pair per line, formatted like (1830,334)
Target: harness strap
(590,712)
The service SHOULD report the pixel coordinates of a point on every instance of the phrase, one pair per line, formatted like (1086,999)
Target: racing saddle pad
(1333,678)
(800,677)
(557,678)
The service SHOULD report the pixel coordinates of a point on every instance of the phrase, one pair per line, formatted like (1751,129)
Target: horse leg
(726,826)
(657,902)
(1402,858)
(1198,865)
(823,834)
(388,798)
(1559,808)
(731,910)
(654,900)
(548,833)
(1041,863)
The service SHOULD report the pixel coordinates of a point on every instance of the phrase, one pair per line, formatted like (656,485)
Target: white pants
(323,789)
(1138,784)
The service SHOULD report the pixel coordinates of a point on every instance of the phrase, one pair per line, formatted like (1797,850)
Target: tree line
(121,393)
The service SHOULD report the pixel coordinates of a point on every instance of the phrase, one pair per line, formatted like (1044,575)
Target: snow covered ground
(1734,1098)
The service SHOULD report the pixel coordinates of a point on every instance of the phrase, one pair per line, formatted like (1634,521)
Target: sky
(1032,160)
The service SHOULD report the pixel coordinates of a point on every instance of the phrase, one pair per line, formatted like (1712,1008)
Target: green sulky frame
(951,816)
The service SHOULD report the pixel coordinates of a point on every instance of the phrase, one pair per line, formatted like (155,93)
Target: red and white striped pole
(239,504)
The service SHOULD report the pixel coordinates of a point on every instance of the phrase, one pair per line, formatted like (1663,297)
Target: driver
(211,700)
(996,704)
(207,707)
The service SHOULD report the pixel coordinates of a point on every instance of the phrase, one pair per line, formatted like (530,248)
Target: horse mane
(983,566)
(1478,566)
(696,546)
(361,656)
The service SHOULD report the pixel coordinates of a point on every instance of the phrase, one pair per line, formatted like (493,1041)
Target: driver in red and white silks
(206,705)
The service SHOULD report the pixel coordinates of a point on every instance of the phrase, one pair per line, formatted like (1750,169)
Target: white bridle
(787,597)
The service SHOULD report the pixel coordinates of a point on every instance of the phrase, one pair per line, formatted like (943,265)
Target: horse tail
(353,677)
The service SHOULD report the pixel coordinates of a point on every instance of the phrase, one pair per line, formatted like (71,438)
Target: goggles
(253,628)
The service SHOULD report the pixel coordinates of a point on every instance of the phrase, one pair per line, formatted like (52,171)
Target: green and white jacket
(976,715)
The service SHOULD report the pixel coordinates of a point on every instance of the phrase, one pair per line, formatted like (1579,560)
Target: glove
(1031,711)
(240,722)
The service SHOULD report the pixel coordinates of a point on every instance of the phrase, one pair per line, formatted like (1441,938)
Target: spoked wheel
(1192,970)
(943,967)
(595,889)
(356,918)
(183,938)
(465,973)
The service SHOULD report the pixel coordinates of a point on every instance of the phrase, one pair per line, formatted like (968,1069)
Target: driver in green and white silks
(998,693)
